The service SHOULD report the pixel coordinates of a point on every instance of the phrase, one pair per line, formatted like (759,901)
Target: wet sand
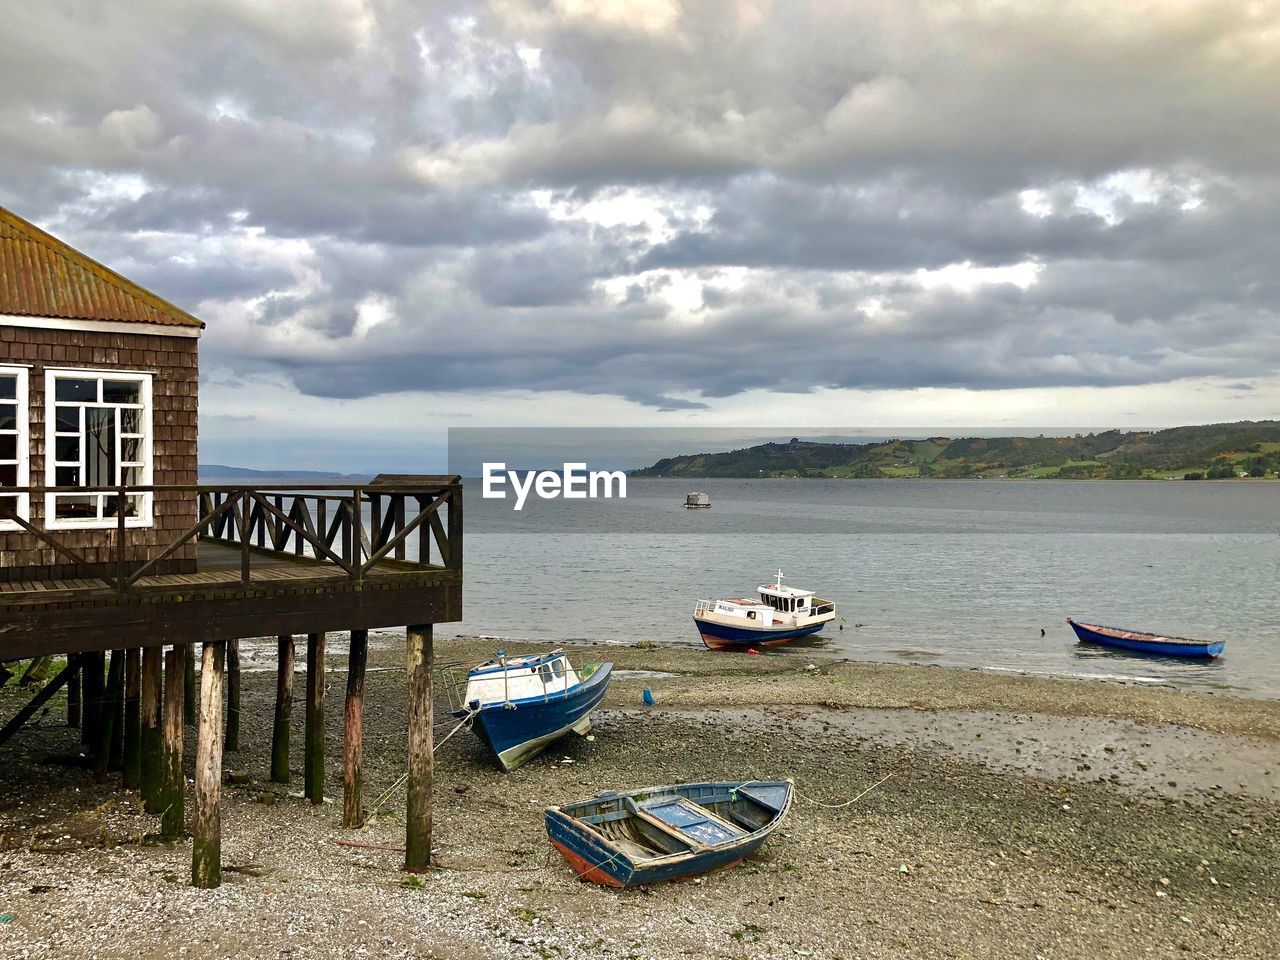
(1021,817)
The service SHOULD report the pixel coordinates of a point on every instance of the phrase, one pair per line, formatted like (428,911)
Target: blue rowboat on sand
(666,833)
(1139,642)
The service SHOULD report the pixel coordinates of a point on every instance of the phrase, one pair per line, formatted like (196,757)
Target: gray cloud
(669,204)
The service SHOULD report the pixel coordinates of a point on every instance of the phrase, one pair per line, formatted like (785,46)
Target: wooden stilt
(152,765)
(206,849)
(284,710)
(113,704)
(353,751)
(313,762)
(419,643)
(232,743)
(92,698)
(131,773)
(189,685)
(73,691)
(173,791)
(108,718)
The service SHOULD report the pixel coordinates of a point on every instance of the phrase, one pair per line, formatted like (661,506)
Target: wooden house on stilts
(110,548)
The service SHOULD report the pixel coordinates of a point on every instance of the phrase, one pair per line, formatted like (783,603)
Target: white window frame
(23,443)
(145,516)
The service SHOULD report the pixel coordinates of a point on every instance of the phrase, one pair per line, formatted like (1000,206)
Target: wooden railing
(392,524)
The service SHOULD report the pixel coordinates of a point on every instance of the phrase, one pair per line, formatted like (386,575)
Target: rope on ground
(377,804)
(837,806)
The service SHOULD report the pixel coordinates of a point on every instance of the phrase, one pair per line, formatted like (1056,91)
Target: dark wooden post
(108,716)
(92,699)
(173,791)
(114,707)
(73,692)
(206,849)
(152,766)
(353,728)
(313,761)
(131,773)
(284,709)
(233,696)
(421,761)
(189,684)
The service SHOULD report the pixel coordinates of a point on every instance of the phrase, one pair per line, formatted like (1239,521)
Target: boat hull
(720,636)
(1136,642)
(518,734)
(597,860)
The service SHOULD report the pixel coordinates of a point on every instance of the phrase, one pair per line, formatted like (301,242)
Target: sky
(399,217)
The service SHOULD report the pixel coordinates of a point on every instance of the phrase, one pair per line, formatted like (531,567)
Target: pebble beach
(941,813)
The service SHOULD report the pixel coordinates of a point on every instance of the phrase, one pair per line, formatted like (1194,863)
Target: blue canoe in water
(520,705)
(1139,642)
(666,833)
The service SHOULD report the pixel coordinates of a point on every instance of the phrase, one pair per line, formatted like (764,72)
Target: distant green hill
(1213,451)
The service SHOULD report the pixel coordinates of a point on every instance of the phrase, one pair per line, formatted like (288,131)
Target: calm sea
(950,572)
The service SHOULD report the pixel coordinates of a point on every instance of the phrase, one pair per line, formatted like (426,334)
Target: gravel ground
(1022,818)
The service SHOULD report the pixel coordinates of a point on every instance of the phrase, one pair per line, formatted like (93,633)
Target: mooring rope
(837,806)
(377,805)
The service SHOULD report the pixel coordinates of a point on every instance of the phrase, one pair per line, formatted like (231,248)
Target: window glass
(8,387)
(8,446)
(121,391)
(8,475)
(73,389)
(101,427)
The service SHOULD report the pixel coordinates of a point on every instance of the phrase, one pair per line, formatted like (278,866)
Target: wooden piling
(353,751)
(189,685)
(420,653)
(173,790)
(206,848)
(313,761)
(284,709)
(232,742)
(131,772)
(108,718)
(152,760)
(113,703)
(73,692)
(91,699)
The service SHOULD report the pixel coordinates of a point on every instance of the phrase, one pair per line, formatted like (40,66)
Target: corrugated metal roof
(40,276)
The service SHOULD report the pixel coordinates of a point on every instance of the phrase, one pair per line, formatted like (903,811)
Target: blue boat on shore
(1139,642)
(666,833)
(521,705)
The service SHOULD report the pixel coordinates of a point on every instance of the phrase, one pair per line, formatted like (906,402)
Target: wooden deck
(267,563)
(217,567)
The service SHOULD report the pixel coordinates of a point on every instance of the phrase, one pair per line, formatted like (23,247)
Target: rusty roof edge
(104,273)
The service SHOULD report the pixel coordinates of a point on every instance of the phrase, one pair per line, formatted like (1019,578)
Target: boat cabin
(786,599)
(516,679)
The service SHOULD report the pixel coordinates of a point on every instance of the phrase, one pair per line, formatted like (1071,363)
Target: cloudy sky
(399,217)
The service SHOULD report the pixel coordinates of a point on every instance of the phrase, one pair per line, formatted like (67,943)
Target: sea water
(951,572)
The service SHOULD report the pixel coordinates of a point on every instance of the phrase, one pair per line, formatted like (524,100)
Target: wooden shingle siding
(175,385)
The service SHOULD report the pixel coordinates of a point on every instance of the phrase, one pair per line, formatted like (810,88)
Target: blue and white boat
(521,705)
(666,833)
(780,615)
(1140,642)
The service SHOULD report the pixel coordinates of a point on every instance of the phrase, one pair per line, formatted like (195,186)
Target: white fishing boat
(779,615)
